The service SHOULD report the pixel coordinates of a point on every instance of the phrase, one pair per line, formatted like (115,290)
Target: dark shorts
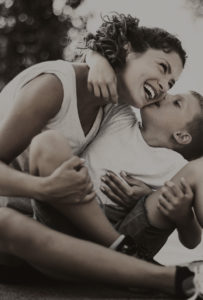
(49,216)
(148,239)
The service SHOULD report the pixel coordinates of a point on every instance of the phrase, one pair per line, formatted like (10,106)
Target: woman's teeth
(150,93)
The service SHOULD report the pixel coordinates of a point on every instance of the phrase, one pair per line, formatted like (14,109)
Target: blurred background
(36,31)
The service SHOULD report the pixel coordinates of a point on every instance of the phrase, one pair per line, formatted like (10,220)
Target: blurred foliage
(31,32)
(197,6)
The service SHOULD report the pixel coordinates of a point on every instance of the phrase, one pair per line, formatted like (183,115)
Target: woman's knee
(49,147)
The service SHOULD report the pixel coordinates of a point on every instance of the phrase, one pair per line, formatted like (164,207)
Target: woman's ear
(182,137)
(128,47)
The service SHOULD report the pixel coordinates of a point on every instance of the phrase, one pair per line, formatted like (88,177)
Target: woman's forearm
(19,184)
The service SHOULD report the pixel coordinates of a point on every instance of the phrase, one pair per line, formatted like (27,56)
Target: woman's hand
(124,192)
(102,79)
(70,183)
(175,202)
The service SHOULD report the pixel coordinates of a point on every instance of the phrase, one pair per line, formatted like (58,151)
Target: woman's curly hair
(118,29)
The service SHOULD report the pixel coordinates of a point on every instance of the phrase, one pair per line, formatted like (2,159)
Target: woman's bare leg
(65,257)
(88,217)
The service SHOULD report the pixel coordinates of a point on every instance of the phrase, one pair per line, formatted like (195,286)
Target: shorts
(148,239)
(49,216)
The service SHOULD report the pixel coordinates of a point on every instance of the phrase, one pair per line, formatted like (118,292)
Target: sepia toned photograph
(101,157)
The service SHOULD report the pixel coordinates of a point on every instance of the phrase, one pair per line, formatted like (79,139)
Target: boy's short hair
(118,29)
(194,149)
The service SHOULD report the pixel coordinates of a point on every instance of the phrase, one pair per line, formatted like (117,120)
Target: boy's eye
(170,84)
(164,67)
(177,103)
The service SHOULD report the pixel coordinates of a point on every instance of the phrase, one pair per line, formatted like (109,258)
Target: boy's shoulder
(119,114)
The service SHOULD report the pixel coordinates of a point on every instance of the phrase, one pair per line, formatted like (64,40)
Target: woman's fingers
(167,194)
(112,87)
(104,92)
(186,188)
(90,87)
(164,204)
(97,91)
(89,197)
(174,188)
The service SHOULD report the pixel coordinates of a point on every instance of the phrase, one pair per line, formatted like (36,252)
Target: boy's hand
(175,201)
(102,79)
(124,193)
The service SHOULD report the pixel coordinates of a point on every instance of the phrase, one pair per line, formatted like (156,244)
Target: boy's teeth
(149,91)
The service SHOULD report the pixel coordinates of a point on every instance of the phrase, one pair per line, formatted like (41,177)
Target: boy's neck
(156,140)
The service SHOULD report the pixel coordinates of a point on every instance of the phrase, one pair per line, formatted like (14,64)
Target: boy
(109,146)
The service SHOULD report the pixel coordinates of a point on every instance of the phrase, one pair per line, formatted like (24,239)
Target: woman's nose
(164,86)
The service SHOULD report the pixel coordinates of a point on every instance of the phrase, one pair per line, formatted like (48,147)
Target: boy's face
(148,76)
(170,115)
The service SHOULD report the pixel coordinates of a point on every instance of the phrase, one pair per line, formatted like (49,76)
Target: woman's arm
(102,79)
(37,102)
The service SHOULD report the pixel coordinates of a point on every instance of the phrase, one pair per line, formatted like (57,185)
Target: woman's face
(148,76)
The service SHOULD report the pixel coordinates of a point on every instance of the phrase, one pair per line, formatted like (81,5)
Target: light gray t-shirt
(119,145)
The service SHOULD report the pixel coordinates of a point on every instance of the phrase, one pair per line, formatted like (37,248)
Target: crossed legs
(87,217)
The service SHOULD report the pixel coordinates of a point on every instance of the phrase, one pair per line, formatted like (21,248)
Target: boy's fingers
(133,181)
(111,195)
(114,187)
(167,195)
(122,186)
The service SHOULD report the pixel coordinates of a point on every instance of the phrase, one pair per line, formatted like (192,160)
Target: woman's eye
(164,67)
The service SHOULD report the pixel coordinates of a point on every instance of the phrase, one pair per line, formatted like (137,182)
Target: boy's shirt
(119,145)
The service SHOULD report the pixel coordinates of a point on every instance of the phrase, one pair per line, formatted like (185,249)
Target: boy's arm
(102,79)
(189,231)
(175,202)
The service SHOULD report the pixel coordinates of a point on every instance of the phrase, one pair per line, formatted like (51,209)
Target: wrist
(184,221)
(91,58)
(37,188)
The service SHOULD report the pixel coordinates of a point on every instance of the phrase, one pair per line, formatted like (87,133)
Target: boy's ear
(182,137)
